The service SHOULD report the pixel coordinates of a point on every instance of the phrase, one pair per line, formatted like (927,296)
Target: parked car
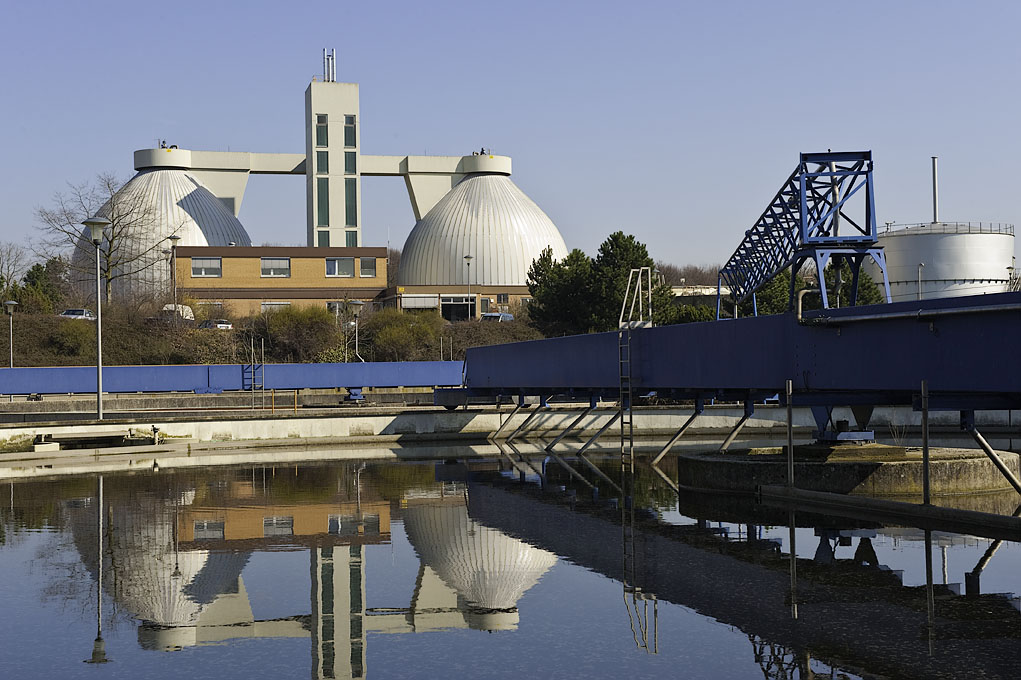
(78,314)
(183,311)
(497,317)
(166,316)
(221,324)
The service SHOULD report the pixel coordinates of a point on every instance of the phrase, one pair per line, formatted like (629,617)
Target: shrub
(294,334)
(76,338)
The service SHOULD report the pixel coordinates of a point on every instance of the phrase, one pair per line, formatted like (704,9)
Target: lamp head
(356,307)
(97,225)
(468,259)
(174,238)
(10,305)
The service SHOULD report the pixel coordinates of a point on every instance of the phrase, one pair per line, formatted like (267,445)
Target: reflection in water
(174,552)
(488,570)
(851,608)
(174,557)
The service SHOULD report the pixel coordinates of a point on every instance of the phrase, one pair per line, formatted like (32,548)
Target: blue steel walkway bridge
(824,213)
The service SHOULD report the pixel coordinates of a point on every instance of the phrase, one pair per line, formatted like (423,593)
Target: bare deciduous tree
(129,247)
(688,275)
(12,265)
(393,265)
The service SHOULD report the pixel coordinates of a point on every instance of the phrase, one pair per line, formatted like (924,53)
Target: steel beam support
(669,482)
(789,392)
(925,443)
(599,473)
(572,471)
(540,407)
(699,409)
(590,409)
(597,435)
(524,459)
(968,423)
(521,467)
(504,424)
(749,409)
(972,584)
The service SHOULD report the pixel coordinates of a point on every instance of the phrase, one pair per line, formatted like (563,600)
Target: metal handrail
(949,228)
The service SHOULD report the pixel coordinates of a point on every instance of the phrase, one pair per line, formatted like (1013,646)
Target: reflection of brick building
(263,522)
(177,558)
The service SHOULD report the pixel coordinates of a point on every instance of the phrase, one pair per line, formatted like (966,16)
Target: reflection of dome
(488,569)
(153,205)
(485,216)
(144,575)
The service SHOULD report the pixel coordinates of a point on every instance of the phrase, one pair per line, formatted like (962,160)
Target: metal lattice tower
(824,211)
(635,312)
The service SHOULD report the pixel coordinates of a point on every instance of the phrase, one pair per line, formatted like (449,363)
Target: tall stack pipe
(935,192)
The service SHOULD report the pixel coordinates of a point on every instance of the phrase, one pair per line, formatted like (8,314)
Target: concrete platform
(874,470)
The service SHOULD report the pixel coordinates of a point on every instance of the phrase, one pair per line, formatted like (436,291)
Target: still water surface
(428,570)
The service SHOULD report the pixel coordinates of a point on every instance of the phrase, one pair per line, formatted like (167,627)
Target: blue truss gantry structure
(825,211)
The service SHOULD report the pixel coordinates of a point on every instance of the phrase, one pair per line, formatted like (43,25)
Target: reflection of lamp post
(468,263)
(99,646)
(10,305)
(98,226)
(920,265)
(174,238)
(356,309)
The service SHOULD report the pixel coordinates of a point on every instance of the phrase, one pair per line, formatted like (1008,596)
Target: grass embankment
(293,335)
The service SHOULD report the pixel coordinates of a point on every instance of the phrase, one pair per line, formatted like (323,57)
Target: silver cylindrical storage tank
(946,259)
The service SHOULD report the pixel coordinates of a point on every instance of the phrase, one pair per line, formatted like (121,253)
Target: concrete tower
(332,143)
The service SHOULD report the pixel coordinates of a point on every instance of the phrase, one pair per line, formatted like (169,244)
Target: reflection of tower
(489,570)
(338,609)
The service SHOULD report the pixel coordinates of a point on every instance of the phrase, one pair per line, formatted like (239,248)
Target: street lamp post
(920,266)
(97,227)
(356,309)
(167,253)
(468,263)
(10,305)
(174,238)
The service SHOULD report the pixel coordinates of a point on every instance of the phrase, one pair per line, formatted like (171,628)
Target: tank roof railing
(893,228)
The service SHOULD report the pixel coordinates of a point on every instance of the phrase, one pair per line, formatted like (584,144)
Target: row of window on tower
(280,267)
(322,170)
(323,131)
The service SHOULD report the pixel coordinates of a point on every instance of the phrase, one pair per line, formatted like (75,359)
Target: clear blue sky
(675,121)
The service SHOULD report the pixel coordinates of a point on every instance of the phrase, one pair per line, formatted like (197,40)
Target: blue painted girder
(968,358)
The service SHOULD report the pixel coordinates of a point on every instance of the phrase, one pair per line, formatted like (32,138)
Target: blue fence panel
(224,377)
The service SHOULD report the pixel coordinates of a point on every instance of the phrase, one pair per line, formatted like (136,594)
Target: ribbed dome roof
(152,206)
(488,217)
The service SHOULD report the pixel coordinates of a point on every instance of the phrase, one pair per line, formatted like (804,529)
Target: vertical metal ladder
(635,312)
(253,375)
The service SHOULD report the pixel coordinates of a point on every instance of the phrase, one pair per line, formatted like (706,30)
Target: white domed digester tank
(152,206)
(488,217)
